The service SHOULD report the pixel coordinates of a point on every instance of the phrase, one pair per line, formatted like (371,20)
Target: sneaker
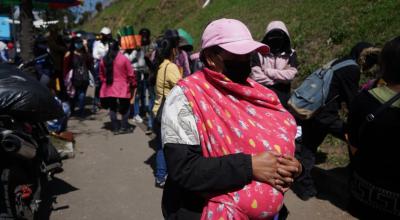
(160,182)
(138,119)
(149,131)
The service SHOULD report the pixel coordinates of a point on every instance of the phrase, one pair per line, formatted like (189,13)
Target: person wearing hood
(277,69)
(344,87)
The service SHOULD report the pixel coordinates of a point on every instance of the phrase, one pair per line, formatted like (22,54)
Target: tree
(99,7)
(26,39)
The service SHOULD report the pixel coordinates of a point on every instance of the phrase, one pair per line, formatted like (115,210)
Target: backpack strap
(165,75)
(349,62)
(370,117)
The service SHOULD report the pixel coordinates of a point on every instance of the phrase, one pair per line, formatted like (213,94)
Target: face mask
(78,46)
(237,71)
(276,45)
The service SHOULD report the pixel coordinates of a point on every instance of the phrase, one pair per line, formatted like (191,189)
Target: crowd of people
(228,143)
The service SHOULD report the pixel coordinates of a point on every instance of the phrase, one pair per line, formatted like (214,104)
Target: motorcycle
(28,160)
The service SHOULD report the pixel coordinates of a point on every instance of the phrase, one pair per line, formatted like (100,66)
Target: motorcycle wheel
(15,178)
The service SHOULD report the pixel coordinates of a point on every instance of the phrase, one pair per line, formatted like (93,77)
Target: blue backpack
(312,94)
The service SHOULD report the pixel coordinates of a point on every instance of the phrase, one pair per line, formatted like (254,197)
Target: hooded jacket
(276,71)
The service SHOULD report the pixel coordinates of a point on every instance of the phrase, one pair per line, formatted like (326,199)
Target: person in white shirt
(100,49)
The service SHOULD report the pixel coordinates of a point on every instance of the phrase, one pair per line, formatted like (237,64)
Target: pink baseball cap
(231,35)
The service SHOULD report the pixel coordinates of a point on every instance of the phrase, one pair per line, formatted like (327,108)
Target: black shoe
(115,131)
(126,130)
(149,131)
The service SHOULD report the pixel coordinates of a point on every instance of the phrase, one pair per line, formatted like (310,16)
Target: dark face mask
(237,71)
(276,45)
(105,39)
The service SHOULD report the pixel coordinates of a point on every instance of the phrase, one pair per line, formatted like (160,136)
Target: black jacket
(344,87)
(191,177)
(377,158)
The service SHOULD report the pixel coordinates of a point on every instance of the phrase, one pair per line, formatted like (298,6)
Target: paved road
(110,178)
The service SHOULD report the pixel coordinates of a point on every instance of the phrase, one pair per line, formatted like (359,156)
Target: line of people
(230,138)
(229,145)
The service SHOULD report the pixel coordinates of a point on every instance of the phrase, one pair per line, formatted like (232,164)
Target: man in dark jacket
(344,87)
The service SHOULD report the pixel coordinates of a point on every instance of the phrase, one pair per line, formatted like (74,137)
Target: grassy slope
(320,29)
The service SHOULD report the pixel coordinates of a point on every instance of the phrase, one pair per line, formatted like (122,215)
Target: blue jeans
(140,98)
(150,104)
(140,101)
(161,165)
(97,85)
(80,95)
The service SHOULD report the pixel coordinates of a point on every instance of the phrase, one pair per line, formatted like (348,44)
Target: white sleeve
(178,123)
(95,52)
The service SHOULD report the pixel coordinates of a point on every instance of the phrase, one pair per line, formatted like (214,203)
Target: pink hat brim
(244,47)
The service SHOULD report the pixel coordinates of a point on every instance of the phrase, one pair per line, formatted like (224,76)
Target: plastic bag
(24,98)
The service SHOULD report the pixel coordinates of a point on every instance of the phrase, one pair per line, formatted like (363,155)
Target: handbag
(160,109)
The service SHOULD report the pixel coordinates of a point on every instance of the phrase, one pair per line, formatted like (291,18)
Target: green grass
(320,30)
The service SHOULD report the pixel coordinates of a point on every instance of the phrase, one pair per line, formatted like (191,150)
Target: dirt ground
(111,177)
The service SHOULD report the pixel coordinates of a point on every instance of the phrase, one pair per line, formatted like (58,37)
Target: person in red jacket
(117,80)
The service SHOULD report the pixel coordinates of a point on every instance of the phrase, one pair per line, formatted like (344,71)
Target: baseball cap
(231,35)
(105,31)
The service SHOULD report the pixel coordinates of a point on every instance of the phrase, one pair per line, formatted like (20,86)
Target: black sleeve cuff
(247,164)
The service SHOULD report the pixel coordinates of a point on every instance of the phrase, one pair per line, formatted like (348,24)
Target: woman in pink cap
(228,141)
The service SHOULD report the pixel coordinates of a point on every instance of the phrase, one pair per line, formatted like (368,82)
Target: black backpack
(80,75)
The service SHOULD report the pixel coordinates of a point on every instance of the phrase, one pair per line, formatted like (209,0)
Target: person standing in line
(376,178)
(277,69)
(168,74)
(137,57)
(148,89)
(184,49)
(77,64)
(100,49)
(228,142)
(117,80)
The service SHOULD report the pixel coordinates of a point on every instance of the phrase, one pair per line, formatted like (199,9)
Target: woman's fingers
(284,172)
(290,164)
(281,186)
(287,161)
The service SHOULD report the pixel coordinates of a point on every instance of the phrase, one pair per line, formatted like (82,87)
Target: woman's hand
(265,167)
(276,170)
(288,169)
